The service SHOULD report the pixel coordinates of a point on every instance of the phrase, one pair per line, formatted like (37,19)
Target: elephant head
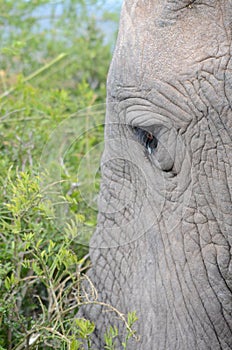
(162,245)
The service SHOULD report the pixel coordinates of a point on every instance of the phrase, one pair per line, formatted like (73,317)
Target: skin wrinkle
(153,305)
(205,309)
(216,128)
(184,294)
(225,111)
(213,97)
(224,311)
(210,212)
(173,263)
(151,103)
(174,9)
(218,202)
(171,306)
(226,192)
(123,188)
(206,269)
(194,94)
(192,311)
(220,341)
(197,113)
(159,110)
(174,97)
(226,69)
(112,278)
(191,109)
(203,247)
(177,274)
(159,270)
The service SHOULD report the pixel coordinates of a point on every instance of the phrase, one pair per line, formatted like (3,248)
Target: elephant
(162,245)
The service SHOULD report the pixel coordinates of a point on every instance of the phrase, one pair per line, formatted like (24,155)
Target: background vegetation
(54,60)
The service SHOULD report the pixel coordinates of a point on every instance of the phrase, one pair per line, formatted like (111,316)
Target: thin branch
(35,74)
(12,112)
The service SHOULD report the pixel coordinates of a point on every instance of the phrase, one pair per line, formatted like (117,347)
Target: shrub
(54,61)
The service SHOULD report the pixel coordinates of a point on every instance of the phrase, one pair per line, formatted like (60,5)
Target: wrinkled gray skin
(163,241)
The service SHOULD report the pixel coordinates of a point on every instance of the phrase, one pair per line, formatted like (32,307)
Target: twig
(12,112)
(35,74)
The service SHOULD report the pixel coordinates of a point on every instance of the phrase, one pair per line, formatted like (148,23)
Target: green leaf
(85,327)
(75,345)
(36,268)
(50,246)
(7,283)
(132,318)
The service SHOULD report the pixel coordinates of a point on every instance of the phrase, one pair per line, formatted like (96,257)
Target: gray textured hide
(163,241)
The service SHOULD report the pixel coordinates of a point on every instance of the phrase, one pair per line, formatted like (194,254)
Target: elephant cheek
(126,204)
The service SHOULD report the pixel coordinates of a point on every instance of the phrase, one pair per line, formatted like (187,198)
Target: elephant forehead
(153,46)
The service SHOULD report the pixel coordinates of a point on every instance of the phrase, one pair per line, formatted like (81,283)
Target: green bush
(41,273)
(39,270)
(54,62)
(50,71)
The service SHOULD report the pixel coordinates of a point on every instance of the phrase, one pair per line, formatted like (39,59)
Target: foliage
(40,275)
(112,334)
(37,32)
(54,61)
(131,319)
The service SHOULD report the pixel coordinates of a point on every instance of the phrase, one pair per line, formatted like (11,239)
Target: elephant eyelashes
(147,139)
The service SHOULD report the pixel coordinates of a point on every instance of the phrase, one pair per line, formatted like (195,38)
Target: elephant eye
(147,139)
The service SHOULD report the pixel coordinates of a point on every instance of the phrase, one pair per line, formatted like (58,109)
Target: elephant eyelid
(146,138)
